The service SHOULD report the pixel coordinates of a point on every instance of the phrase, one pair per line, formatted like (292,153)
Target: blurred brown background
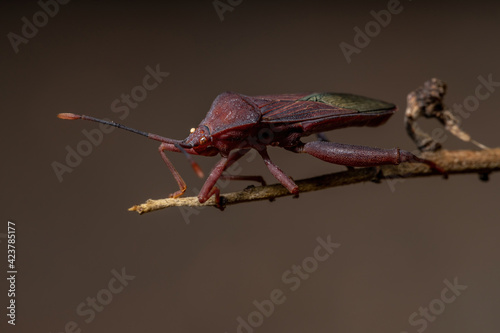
(203,272)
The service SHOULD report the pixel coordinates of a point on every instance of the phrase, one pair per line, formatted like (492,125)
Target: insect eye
(203,140)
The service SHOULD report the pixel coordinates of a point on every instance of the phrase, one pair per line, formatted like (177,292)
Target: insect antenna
(176,143)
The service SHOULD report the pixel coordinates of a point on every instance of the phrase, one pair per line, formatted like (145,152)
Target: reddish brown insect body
(237,123)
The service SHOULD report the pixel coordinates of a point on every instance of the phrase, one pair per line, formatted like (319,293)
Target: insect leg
(361,156)
(194,165)
(170,166)
(209,187)
(322,137)
(257,179)
(235,156)
(279,174)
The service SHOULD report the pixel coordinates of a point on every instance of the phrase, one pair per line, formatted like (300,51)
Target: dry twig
(453,162)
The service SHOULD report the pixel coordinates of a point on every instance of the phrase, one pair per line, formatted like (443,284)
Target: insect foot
(221,204)
(406,156)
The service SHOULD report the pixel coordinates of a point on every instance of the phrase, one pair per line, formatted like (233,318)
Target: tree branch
(453,162)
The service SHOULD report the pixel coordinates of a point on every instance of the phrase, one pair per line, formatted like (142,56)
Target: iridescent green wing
(318,106)
(349,101)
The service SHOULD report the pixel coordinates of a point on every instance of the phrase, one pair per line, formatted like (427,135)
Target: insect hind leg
(361,156)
